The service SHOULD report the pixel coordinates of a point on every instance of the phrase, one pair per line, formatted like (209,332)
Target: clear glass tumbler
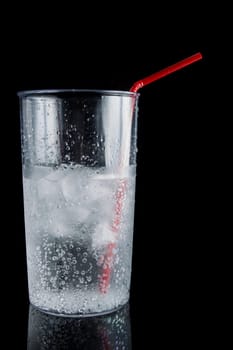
(79,167)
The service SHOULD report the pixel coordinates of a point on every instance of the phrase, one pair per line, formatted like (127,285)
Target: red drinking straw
(104,281)
(166,71)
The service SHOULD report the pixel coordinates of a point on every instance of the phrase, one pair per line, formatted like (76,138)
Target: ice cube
(83,182)
(101,187)
(60,222)
(74,185)
(82,186)
(58,173)
(102,236)
(36,172)
(70,222)
(50,193)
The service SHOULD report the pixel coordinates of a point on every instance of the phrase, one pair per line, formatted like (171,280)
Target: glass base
(79,315)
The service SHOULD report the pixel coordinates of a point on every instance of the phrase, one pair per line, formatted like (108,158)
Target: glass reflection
(106,332)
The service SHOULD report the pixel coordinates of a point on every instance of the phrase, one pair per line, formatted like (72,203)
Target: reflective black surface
(172,238)
(48,332)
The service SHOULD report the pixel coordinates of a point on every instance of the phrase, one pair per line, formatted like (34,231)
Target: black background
(79,49)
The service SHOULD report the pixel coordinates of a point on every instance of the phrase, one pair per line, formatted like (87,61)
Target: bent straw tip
(136,86)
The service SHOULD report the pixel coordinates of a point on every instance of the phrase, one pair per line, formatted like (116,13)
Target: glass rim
(40,92)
